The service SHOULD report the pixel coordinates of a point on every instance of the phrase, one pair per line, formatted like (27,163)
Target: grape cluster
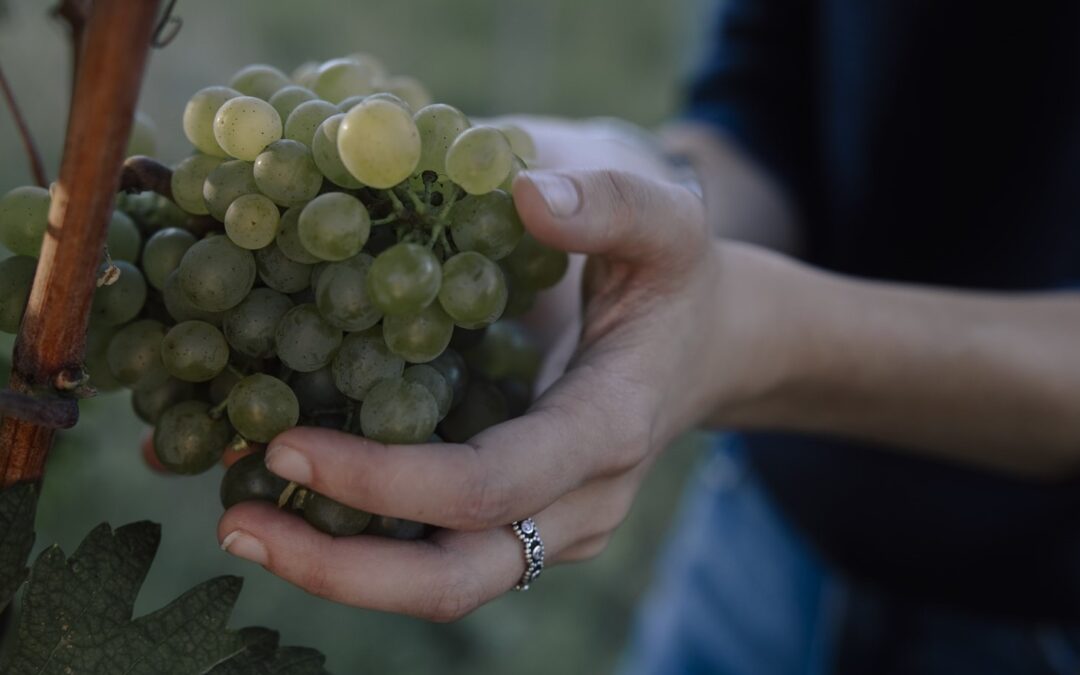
(362,260)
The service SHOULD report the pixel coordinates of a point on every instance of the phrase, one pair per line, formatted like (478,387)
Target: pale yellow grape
(287,98)
(521,142)
(304,74)
(143,138)
(286,173)
(245,125)
(375,65)
(347,104)
(479,160)
(259,80)
(225,183)
(251,221)
(199,118)
(387,96)
(379,143)
(306,118)
(325,152)
(188,179)
(439,127)
(516,167)
(408,89)
(339,79)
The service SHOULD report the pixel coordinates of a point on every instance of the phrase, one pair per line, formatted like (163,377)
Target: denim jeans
(737,592)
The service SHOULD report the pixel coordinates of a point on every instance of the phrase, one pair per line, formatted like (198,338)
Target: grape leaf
(76,618)
(17,508)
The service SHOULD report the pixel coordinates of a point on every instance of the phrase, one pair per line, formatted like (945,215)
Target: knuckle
(484,502)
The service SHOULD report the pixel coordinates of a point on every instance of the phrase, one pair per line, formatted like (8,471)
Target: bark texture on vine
(115,40)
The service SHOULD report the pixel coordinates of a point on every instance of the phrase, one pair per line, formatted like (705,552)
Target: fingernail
(560,193)
(288,463)
(243,545)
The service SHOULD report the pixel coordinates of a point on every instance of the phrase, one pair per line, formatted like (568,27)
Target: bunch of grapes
(341,253)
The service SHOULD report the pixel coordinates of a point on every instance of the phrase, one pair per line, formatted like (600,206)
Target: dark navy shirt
(929,141)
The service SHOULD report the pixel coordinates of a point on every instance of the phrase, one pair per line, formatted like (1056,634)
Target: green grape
(382,96)
(516,167)
(124,240)
(347,104)
(451,365)
(180,307)
(362,362)
(338,79)
(379,144)
(194,351)
(505,351)
(218,389)
(534,265)
(396,528)
(134,354)
(225,183)
(199,118)
(251,221)
(479,160)
(245,125)
(334,226)
(483,406)
(439,125)
(341,294)
(163,253)
(24,218)
(96,362)
(317,391)
(306,118)
(151,211)
(250,326)
(518,395)
(216,274)
(143,137)
(121,301)
(521,142)
(16,278)
(287,98)
(249,480)
(434,382)
(261,407)
(420,337)
(288,239)
(473,290)
(408,89)
(404,279)
(304,74)
(334,518)
(304,340)
(519,299)
(399,412)
(286,173)
(279,272)
(151,402)
(259,80)
(188,179)
(324,150)
(187,440)
(488,224)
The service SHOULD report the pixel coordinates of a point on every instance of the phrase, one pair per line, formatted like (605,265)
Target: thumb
(622,215)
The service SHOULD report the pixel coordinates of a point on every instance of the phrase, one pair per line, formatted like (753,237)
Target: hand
(574,462)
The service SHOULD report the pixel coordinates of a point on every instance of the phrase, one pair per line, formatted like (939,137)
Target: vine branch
(37,168)
(52,337)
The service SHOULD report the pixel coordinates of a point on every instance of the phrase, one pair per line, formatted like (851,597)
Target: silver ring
(526,531)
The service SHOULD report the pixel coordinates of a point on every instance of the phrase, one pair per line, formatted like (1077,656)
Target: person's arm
(989,379)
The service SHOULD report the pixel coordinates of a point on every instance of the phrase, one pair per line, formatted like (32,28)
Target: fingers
(612,213)
(435,580)
(587,425)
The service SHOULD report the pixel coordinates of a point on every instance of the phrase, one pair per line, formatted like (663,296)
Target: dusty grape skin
(434,382)
(194,351)
(163,253)
(399,412)
(362,362)
(248,479)
(280,272)
(419,337)
(187,440)
(134,354)
(121,301)
(404,279)
(261,407)
(215,274)
(250,327)
(304,340)
(151,402)
(342,295)
(488,224)
(334,518)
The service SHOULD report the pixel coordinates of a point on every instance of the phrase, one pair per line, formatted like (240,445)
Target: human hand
(576,459)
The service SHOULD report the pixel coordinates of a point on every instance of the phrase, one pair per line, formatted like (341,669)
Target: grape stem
(112,58)
(399,208)
(385,221)
(37,168)
(217,411)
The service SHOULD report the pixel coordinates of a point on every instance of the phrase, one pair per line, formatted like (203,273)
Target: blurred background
(625,58)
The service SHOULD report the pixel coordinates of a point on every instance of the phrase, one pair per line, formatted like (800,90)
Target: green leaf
(17,508)
(76,618)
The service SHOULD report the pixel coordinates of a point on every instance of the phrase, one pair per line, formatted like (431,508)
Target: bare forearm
(987,378)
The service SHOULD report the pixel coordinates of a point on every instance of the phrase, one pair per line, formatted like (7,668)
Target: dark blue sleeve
(757,84)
